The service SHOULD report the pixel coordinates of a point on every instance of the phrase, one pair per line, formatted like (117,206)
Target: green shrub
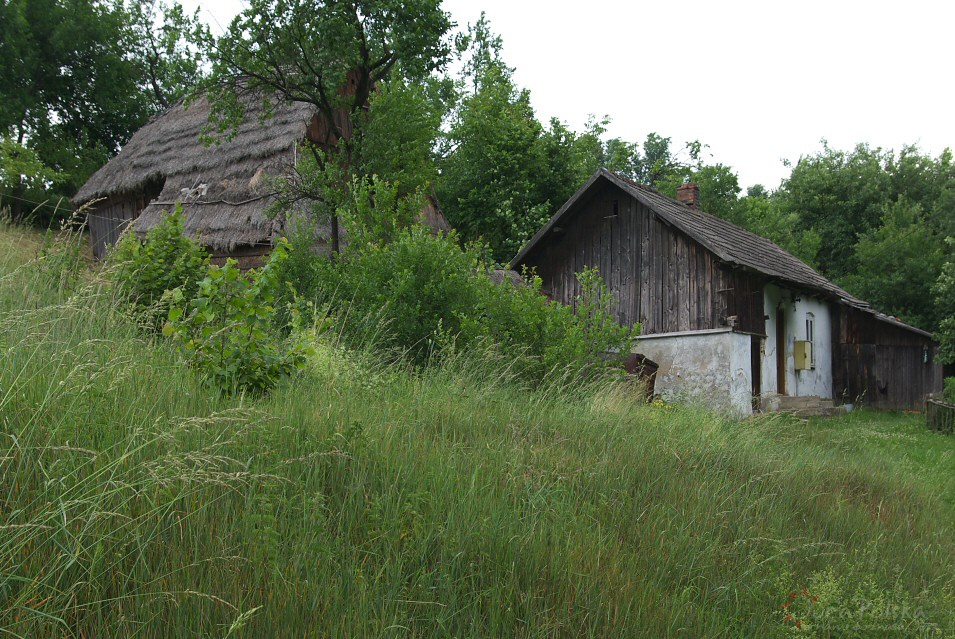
(375,211)
(547,334)
(143,271)
(298,277)
(427,294)
(225,330)
(419,286)
(950,390)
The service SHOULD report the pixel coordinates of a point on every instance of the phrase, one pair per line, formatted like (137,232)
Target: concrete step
(799,406)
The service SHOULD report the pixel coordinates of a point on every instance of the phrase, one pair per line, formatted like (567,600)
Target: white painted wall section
(797,307)
(710,368)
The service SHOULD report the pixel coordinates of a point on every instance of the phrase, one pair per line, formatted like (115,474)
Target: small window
(811,338)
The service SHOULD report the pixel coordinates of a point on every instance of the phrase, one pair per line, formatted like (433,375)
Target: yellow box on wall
(802,354)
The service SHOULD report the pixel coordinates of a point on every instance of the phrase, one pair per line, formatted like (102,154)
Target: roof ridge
(727,241)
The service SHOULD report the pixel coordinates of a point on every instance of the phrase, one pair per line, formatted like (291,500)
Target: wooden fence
(940,416)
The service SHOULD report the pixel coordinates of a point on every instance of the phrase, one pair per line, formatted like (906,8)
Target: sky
(757,82)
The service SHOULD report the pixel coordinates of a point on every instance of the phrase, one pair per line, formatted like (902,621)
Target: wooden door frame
(780,350)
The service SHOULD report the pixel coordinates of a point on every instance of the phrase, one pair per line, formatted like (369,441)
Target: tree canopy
(79,77)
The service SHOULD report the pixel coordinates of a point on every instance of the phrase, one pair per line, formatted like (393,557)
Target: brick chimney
(689,194)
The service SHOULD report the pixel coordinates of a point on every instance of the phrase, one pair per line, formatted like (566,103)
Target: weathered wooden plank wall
(881,365)
(109,219)
(662,278)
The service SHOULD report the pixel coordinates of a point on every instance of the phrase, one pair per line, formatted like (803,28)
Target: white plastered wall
(816,382)
(710,368)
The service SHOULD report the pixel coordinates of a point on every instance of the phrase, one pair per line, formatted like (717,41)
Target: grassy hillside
(362,500)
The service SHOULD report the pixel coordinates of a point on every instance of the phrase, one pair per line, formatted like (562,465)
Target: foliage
(20,166)
(838,194)
(949,393)
(375,211)
(844,195)
(415,285)
(944,290)
(73,87)
(224,330)
(761,213)
(305,51)
(297,277)
(333,56)
(135,501)
(396,139)
(165,43)
(490,182)
(144,270)
(898,264)
(429,297)
(548,336)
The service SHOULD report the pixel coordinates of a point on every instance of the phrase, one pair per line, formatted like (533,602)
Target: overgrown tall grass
(363,499)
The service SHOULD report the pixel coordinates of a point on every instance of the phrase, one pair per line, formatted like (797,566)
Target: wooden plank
(693,289)
(636,244)
(646,268)
(658,284)
(672,283)
(684,279)
(940,416)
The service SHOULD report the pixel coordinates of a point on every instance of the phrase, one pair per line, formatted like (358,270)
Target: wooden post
(940,416)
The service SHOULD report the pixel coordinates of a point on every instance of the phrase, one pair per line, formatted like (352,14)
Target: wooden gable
(661,277)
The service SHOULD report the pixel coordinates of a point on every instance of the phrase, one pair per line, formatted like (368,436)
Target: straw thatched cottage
(730,317)
(224,188)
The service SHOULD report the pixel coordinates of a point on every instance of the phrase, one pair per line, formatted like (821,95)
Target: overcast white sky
(757,81)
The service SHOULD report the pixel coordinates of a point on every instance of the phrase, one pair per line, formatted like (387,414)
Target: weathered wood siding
(661,277)
(108,219)
(881,365)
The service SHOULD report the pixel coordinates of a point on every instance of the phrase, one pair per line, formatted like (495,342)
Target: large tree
(881,218)
(331,54)
(76,82)
(944,291)
(490,176)
(504,173)
(898,264)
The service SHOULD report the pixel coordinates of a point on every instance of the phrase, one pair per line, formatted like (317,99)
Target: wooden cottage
(732,319)
(224,188)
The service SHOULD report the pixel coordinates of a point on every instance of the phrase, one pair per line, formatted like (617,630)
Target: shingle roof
(730,243)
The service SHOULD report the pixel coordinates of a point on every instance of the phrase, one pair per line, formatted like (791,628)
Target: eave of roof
(728,242)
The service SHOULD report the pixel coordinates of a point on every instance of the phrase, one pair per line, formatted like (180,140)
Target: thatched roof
(501,275)
(224,187)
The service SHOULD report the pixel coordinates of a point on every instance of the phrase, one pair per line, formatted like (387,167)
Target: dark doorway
(780,351)
(756,360)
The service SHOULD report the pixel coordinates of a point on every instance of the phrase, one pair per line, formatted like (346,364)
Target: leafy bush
(375,211)
(144,270)
(419,285)
(547,334)
(429,295)
(298,276)
(224,330)
(950,390)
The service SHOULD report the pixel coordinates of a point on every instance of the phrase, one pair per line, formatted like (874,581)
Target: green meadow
(366,498)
